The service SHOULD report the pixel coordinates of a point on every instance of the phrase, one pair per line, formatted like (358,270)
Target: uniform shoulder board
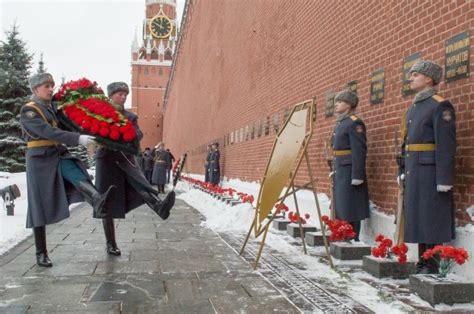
(354,117)
(438,98)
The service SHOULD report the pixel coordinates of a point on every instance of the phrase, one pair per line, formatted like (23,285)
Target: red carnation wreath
(84,108)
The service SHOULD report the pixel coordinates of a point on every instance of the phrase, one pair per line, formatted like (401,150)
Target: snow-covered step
(387,267)
(293,229)
(280,224)
(316,238)
(349,251)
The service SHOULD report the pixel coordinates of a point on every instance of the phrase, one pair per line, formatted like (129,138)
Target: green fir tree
(15,64)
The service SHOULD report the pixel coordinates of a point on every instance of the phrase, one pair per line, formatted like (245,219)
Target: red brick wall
(243,60)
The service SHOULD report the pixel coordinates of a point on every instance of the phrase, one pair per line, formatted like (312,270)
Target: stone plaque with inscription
(352,86)
(408,62)
(377,86)
(329,108)
(457,56)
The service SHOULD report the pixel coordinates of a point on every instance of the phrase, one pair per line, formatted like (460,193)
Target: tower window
(145,71)
(160,71)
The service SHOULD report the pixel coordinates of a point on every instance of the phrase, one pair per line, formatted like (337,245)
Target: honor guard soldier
(122,170)
(206,164)
(214,168)
(54,178)
(168,172)
(349,141)
(161,165)
(147,164)
(429,144)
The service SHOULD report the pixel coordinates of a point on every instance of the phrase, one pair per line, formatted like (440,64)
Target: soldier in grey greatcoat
(207,163)
(161,165)
(214,167)
(121,169)
(54,178)
(168,172)
(429,147)
(349,141)
(147,164)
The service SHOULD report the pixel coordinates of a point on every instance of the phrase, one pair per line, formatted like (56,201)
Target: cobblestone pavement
(175,266)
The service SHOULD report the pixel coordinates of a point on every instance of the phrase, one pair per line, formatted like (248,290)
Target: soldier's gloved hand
(400,178)
(86,140)
(357,182)
(331,174)
(443,188)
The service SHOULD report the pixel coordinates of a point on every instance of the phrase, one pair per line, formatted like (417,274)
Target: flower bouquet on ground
(384,249)
(341,230)
(449,256)
(83,108)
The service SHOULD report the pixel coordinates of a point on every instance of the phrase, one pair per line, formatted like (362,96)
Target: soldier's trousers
(40,239)
(71,172)
(356,228)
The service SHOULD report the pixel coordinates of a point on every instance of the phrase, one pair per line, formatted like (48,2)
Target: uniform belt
(428,147)
(342,152)
(213,161)
(41,143)
(161,161)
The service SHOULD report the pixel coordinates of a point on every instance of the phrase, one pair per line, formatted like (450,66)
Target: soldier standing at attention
(162,162)
(147,164)
(429,146)
(168,172)
(351,195)
(206,164)
(214,167)
(122,170)
(54,178)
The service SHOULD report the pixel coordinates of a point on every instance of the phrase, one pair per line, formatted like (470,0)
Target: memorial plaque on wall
(259,128)
(286,114)
(408,62)
(457,56)
(267,126)
(276,122)
(377,86)
(329,108)
(313,114)
(352,86)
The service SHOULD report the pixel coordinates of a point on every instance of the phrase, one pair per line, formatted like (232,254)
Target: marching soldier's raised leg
(133,189)
(54,178)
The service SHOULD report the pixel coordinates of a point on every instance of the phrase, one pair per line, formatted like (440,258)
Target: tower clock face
(160,27)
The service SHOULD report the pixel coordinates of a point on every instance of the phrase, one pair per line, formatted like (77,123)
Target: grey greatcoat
(429,214)
(148,165)
(214,168)
(162,164)
(122,170)
(49,195)
(352,201)
(206,167)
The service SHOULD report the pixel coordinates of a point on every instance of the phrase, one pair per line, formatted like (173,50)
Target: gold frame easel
(261,226)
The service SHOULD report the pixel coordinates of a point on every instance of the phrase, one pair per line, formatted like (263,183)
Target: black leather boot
(94,198)
(162,208)
(109,231)
(42,258)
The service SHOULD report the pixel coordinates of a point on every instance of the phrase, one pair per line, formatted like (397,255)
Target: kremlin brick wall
(242,65)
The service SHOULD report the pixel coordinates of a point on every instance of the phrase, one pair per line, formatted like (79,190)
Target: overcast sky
(89,38)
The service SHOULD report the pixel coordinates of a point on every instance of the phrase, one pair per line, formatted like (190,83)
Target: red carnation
(104,132)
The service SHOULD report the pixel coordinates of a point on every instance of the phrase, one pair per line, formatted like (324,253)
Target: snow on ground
(12,228)
(237,219)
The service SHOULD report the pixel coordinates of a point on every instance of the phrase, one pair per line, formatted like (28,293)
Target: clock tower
(152,55)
